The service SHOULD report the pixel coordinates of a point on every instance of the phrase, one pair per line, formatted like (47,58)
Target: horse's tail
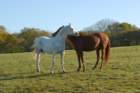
(107,52)
(33,46)
(36,43)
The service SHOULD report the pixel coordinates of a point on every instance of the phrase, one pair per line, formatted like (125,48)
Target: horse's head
(65,30)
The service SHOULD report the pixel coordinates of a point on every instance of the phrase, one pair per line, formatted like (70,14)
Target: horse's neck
(59,35)
(58,38)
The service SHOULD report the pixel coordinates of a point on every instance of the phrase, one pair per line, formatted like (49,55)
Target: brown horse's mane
(55,33)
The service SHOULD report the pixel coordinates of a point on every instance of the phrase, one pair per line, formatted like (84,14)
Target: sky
(51,14)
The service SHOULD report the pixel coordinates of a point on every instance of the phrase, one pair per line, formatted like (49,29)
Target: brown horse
(95,41)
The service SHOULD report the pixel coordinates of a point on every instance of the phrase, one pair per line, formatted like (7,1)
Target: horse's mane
(55,33)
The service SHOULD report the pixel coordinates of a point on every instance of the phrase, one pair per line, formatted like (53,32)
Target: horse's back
(40,41)
(83,43)
(87,43)
(104,38)
(93,41)
(49,45)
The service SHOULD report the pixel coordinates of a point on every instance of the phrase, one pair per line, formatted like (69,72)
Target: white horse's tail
(36,43)
(34,46)
(37,53)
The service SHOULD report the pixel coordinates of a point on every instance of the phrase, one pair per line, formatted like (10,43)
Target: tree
(19,42)
(127,27)
(3,33)
(2,28)
(28,35)
(100,26)
(8,42)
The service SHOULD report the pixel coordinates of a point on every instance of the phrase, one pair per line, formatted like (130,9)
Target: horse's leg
(102,57)
(98,57)
(82,60)
(78,56)
(62,62)
(37,60)
(52,65)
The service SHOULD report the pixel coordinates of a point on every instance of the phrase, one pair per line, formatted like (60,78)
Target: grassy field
(121,74)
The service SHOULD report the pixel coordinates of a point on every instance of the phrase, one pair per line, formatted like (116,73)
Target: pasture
(120,75)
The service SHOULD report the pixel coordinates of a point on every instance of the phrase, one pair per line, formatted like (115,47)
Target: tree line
(120,34)
(19,42)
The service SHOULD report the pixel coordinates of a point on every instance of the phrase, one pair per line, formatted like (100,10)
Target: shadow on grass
(29,75)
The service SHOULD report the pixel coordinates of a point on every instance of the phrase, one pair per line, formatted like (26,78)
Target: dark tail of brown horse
(107,52)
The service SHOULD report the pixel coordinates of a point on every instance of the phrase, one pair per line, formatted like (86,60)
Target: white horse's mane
(55,33)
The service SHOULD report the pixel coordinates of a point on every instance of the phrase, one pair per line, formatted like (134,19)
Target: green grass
(121,74)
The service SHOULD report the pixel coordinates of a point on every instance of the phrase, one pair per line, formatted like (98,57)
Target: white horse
(54,45)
